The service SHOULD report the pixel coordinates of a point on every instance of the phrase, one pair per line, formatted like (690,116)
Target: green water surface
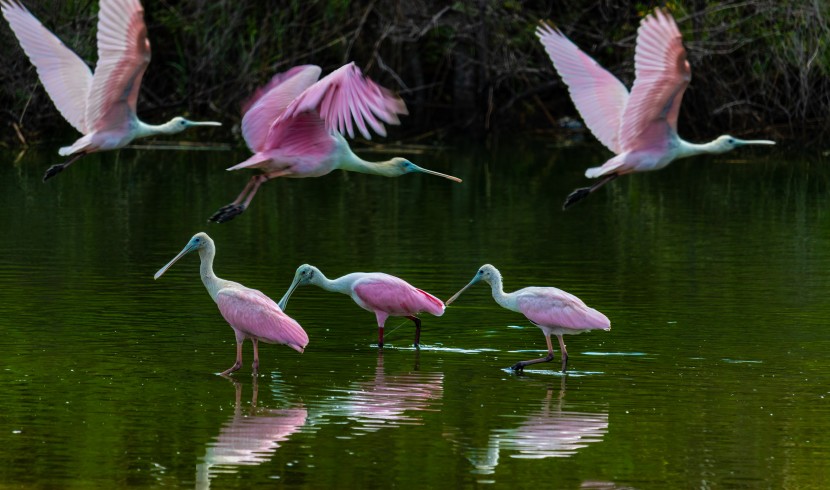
(715,273)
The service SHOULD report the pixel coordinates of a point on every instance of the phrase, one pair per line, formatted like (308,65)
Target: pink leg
(255,365)
(238,363)
(253,180)
(564,352)
(381,317)
(241,203)
(417,330)
(60,167)
(583,192)
(519,366)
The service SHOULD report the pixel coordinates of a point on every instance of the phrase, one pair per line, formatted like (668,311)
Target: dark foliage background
(760,67)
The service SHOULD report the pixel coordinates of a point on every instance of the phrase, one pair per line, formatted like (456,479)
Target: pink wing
(395,296)
(258,316)
(345,95)
(663,73)
(64,75)
(555,308)
(304,135)
(598,95)
(270,101)
(123,55)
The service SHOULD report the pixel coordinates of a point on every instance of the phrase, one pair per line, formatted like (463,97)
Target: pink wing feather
(304,135)
(345,98)
(395,296)
(123,56)
(555,308)
(598,95)
(270,101)
(663,73)
(65,76)
(258,316)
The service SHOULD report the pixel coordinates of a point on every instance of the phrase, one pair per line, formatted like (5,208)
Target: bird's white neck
(686,149)
(144,130)
(209,279)
(503,299)
(340,285)
(354,163)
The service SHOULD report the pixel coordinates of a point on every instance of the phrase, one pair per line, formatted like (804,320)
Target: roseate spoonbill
(553,310)
(250,313)
(377,292)
(295,126)
(641,127)
(102,105)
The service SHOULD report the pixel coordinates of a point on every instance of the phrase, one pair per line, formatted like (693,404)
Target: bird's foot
(227,213)
(576,196)
(231,369)
(53,171)
(519,367)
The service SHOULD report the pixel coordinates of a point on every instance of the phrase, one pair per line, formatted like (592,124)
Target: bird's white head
(198,242)
(486,273)
(402,166)
(306,274)
(727,143)
(179,124)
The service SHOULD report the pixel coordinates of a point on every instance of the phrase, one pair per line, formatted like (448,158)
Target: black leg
(583,192)
(227,213)
(60,167)
(417,330)
(520,366)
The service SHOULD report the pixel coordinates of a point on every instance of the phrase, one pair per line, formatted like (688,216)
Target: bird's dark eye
(731,141)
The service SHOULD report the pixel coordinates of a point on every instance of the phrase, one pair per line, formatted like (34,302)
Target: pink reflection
(249,438)
(389,401)
(546,433)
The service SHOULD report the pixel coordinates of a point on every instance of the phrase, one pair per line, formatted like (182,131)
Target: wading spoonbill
(250,313)
(380,293)
(553,310)
(640,127)
(295,124)
(101,105)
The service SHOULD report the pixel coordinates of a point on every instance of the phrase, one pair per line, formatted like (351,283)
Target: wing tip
(547,28)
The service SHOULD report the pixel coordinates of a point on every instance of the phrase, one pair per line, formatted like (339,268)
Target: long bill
(187,249)
(456,295)
(754,142)
(437,174)
(202,123)
(284,300)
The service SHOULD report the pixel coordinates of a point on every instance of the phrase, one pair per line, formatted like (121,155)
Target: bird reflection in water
(549,432)
(388,401)
(250,437)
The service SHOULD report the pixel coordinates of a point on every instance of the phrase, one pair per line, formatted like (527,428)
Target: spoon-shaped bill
(284,300)
(187,249)
(456,295)
(433,172)
(741,142)
(202,123)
